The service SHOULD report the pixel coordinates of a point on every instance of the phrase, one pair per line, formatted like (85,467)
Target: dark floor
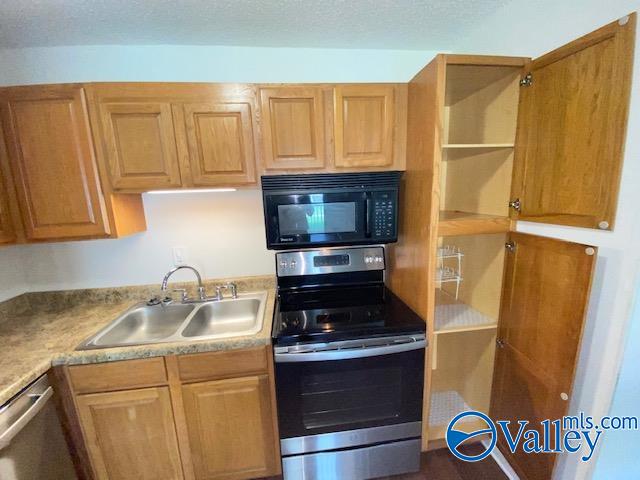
(442,465)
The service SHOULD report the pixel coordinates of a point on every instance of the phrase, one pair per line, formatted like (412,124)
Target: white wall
(614,458)
(13,280)
(531,29)
(224,232)
(206,64)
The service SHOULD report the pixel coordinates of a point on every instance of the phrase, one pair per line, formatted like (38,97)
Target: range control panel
(329,260)
(384,215)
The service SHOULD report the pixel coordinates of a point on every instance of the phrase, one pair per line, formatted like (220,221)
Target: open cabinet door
(544,301)
(571,130)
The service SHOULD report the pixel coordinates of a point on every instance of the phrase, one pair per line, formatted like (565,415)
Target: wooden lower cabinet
(230,428)
(144,418)
(131,434)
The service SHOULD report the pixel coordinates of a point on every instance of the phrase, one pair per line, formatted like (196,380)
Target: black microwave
(315,210)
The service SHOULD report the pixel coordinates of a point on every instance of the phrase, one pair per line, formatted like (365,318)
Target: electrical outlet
(180,255)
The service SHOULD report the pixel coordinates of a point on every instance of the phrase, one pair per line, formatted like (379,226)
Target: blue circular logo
(456,437)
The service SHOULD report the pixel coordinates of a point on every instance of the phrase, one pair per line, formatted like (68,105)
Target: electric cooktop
(327,314)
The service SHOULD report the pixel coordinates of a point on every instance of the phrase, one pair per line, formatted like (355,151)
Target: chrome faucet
(232,287)
(201,292)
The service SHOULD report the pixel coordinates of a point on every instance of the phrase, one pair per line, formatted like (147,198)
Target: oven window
(353,397)
(313,218)
(319,397)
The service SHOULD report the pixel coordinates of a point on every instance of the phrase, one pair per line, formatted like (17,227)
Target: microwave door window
(317,218)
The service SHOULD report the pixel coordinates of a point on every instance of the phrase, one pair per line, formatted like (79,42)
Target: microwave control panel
(384,215)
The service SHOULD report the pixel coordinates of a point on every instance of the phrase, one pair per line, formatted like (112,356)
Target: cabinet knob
(564,396)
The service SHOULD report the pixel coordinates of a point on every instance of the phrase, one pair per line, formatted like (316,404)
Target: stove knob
(292,264)
(283,263)
(378,259)
(368,259)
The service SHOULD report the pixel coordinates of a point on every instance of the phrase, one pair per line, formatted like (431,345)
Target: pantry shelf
(445,406)
(459,317)
(476,145)
(453,223)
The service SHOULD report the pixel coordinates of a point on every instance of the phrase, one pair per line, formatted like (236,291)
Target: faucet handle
(202,293)
(219,295)
(233,288)
(183,293)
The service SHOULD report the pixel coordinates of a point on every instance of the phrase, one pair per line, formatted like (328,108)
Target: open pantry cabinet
(467,307)
(493,141)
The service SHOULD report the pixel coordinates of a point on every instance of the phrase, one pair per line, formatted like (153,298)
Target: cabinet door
(220,143)
(140,145)
(544,302)
(7,232)
(53,164)
(130,434)
(293,135)
(571,130)
(364,121)
(230,424)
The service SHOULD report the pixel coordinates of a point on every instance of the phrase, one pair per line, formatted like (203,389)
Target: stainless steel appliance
(349,364)
(31,442)
(303,211)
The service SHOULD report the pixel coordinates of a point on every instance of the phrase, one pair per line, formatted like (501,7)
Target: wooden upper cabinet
(544,302)
(131,434)
(7,230)
(364,121)
(8,219)
(140,144)
(52,161)
(571,129)
(293,128)
(220,143)
(230,425)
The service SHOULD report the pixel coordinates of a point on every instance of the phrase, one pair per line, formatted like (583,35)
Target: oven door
(317,219)
(356,385)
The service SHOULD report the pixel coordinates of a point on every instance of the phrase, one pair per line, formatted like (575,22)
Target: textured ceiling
(388,24)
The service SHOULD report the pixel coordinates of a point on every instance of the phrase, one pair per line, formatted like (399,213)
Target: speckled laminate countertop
(41,329)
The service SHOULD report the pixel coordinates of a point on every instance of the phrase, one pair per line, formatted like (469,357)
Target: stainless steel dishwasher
(31,442)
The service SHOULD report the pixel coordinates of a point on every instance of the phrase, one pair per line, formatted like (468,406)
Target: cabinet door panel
(544,302)
(293,128)
(140,145)
(7,230)
(231,428)
(220,143)
(364,125)
(53,163)
(571,130)
(130,434)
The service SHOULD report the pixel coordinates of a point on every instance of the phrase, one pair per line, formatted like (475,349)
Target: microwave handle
(367,216)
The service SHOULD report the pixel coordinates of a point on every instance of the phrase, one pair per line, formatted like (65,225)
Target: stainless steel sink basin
(145,323)
(179,322)
(236,317)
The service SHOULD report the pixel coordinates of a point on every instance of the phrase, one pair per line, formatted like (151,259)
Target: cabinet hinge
(527,80)
(515,204)
(511,246)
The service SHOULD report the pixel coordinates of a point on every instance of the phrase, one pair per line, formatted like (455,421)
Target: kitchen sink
(225,317)
(145,323)
(182,322)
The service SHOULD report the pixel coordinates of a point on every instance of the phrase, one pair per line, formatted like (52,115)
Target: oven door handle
(349,353)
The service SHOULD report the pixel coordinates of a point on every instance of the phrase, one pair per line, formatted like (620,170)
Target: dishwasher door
(32,445)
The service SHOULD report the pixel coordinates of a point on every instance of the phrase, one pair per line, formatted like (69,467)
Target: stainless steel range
(349,359)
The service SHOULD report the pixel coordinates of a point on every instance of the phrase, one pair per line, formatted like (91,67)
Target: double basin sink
(182,322)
